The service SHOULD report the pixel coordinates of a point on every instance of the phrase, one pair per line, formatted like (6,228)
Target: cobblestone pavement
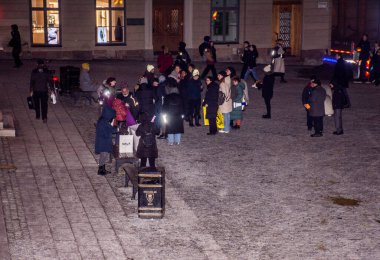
(262,192)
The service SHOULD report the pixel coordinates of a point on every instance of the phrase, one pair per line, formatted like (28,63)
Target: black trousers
(309,120)
(193,108)
(318,124)
(207,69)
(267,104)
(152,162)
(16,57)
(212,127)
(243,70)
(40,99)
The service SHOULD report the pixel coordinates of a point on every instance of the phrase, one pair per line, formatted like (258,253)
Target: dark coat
(131,101)
(143,151)
(15,41)
(249,58)
(306,93)
(204,45)
(194,89)
(317,102)
(339,100)
(211,100)
(40,81)
(340,73)
(365,49)
(267,85)
(173,109)
(145,97)
(104,130)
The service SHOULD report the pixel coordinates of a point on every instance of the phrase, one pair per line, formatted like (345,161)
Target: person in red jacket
(164,61)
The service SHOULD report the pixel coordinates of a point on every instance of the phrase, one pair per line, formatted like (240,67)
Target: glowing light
(330,60)
(55,78)
(118,2)
(341,51)
(214,15)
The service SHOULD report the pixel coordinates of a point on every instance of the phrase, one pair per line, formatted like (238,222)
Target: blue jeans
(174,138)
(226,120)
(251,71)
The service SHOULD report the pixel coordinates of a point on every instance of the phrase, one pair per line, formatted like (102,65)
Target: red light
(55,78)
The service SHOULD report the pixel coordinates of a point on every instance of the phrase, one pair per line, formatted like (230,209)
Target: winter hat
(85,66)
(267,68)
(223,73)
(149,67)
(143,80)
(195,72)
(161,79)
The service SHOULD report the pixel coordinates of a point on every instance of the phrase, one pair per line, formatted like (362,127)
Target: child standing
(147,148)
(103,141)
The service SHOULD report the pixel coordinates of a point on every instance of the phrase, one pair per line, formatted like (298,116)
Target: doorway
(286,24)
(167,24)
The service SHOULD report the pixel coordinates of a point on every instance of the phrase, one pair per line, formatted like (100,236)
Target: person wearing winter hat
(85,82)
(317,107)
(266,85)
(226,107)
(194,91)
(149,74)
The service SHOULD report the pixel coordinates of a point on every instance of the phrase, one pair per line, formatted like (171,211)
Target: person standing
(317,107)
(194,95)
(211,104)
(40,85)
(376,68)
(204,45)
(338,103)
(129,100)
(164,61)
(306,93)
(237,111)
(341,76)
(251,63)
(183,57)
(278,60)
(267,85)
(145,98)
(173,114)
(226,107)
(147,147)
(244,58)
(365,52)
(103,140)
(15,43)
(210,54)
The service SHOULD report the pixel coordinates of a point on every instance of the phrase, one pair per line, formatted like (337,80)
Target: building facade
(136,29)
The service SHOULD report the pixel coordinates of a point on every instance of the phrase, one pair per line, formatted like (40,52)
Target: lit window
(225,21)
(46,26)
(110,22)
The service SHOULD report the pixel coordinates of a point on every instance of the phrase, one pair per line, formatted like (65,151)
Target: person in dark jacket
(145,98)
(194,94)
(204,45)
(306,93)
(339,102)
(210,55)
(250,61)
(183,58)
(365,52)
(244,57)
(173,114)
(159,101)
(341,75)
(103,141)
(40,85)
(211,104)
(266,86)
(15,43)
(376,68)
(129,100)
(147,147)
(317,107)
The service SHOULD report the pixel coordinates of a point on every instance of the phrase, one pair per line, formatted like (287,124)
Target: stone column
(188,23)
(148,26)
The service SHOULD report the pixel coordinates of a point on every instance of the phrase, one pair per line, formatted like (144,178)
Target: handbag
(126,144)
(30,102)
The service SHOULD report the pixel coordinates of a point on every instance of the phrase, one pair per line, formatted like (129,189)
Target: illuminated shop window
(225,21)
(110,22)
(45,23)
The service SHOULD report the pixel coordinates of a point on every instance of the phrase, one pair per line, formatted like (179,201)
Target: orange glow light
(214,15)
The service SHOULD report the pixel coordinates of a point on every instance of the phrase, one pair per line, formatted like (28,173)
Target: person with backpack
(210,54)
(173,114)
(225,106)
(237,110)
(339,102)
(103,140)
(267,85)
(211,104)
(147,147)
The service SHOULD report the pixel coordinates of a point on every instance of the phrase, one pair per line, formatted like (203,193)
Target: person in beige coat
(226,107)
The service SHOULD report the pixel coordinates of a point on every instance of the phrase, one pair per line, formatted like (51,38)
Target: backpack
(148,139)
(221,98)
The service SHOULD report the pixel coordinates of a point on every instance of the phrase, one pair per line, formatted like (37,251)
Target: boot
(102,170)
(191,121)
(197,121)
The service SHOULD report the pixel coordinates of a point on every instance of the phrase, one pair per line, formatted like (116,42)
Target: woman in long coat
(237,110)
(226,107)
(173,114)
(211,104)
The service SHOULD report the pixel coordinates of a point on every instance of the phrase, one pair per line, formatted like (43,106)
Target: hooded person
(183,58)
(145,98)
(266,87)
(204,45)
(103,140)
(147,147)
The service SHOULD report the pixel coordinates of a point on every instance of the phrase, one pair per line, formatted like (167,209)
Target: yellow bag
(219,118)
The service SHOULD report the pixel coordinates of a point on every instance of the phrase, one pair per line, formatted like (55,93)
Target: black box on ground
(151,192)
